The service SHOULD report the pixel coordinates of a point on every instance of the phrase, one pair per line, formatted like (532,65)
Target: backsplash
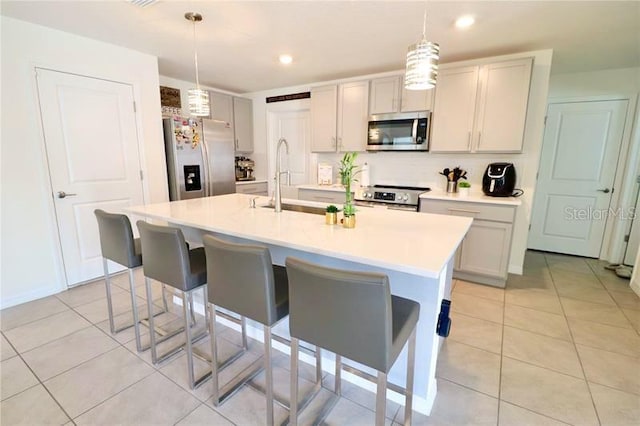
(422,169)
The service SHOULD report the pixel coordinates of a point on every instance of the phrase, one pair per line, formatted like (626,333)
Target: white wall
(610,84)
(30,256)
(422,168)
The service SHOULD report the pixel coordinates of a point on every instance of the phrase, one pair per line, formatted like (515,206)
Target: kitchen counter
(473,197)
(419,262)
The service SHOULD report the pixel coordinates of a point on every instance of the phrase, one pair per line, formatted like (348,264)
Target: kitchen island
(416,251)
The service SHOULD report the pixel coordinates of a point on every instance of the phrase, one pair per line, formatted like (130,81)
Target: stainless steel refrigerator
(200,157)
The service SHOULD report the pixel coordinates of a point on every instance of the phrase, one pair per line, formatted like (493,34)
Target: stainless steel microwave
(406,131)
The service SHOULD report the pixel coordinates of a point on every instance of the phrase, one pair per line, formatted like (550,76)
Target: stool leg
(164,298)
(107,284)
(134,310)
(318,364)
(186,299)
(269,374)
(243,328)
(381,398)
(152,329)
(411,360)
(293,405)
(214,354)
(338,383)
(191,311)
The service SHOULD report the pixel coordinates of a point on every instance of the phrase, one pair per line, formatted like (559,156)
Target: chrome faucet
(278,192)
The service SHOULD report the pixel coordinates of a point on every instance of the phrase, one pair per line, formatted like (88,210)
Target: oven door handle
(414,131)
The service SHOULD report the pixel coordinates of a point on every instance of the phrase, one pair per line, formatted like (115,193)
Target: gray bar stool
(119,246)
(354,315)
(168,259)
(243,279)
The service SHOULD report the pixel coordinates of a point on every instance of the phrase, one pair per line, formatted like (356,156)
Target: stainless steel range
(394,197)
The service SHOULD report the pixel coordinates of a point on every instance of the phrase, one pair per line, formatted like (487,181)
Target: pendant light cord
(195,50)
(424,24)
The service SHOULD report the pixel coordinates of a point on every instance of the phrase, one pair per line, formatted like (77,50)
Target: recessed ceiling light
(465,21)
(285,59)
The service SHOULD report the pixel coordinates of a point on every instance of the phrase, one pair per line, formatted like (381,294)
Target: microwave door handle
(414,131)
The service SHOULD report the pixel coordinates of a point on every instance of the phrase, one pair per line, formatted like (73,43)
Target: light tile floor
(560,345)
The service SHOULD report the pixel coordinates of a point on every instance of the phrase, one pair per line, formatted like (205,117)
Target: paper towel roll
(364,175)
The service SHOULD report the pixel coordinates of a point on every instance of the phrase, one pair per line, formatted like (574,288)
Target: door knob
(62,194)
(606,190)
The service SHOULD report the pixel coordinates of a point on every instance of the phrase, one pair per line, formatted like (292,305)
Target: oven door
(390,206)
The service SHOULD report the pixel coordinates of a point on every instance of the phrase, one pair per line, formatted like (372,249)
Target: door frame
(627,168)
(61,275)
(279,107)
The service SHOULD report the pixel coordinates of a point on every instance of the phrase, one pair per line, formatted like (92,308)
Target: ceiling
(239,41)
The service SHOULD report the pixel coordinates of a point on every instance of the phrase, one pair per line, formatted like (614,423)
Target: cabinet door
(453,112)
(502,108)
(243,124)
(221,107)
(353,118)
(324,111)
(417,100)
(384,95)
(485,249)
(259,188)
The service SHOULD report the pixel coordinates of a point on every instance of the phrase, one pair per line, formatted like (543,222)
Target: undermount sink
(299,208)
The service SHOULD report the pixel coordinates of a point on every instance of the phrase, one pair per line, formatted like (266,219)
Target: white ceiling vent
(142,3)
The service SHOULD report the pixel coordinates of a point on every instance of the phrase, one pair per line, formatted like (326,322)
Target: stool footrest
(177,348)
(235,384)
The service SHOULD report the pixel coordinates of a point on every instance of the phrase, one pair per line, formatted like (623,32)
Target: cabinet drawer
(259,188)
(332,197)
(474,210)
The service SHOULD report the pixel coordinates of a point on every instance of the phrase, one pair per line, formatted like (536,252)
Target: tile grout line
(595,408)
(40,382)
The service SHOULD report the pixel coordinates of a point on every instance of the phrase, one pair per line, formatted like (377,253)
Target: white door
(91,140)
(294,126)
(575,181)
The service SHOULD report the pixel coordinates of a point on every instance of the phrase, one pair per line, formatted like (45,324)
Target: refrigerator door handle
(207,167)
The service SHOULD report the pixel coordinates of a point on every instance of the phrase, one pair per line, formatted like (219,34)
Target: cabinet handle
(464,211)
(335,142)
(237,144)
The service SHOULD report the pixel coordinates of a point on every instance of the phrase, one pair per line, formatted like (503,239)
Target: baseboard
(516,269)
(29,296)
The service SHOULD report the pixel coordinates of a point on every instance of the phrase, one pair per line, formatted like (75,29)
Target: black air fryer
(499,180)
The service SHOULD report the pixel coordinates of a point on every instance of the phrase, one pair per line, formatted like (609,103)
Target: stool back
(346,312)
(165,254)
(116,239)
(241,279)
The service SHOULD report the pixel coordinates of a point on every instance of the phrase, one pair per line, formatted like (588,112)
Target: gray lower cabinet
(331,197)
(483,256)
(256,188)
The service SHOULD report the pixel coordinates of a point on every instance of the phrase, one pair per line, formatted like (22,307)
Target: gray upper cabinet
(481,108)
(384,95)
(221,107)
(243,124)
(324,114)
(388,95)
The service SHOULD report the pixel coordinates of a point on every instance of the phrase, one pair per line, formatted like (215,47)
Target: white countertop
(419,244)
(247,182)
(473,197)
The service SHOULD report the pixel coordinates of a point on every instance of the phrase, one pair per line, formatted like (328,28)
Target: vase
(452,186)
(349,221)
(464,192)
(330,218)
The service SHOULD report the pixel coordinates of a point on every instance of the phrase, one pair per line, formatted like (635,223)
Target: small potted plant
(331,215)
(348,171)
(464,188)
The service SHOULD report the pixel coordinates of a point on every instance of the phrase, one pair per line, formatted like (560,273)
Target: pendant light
(422,62)
(198,98)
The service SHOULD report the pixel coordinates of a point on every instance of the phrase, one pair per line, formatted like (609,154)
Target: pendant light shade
(198,99)
(422,63)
